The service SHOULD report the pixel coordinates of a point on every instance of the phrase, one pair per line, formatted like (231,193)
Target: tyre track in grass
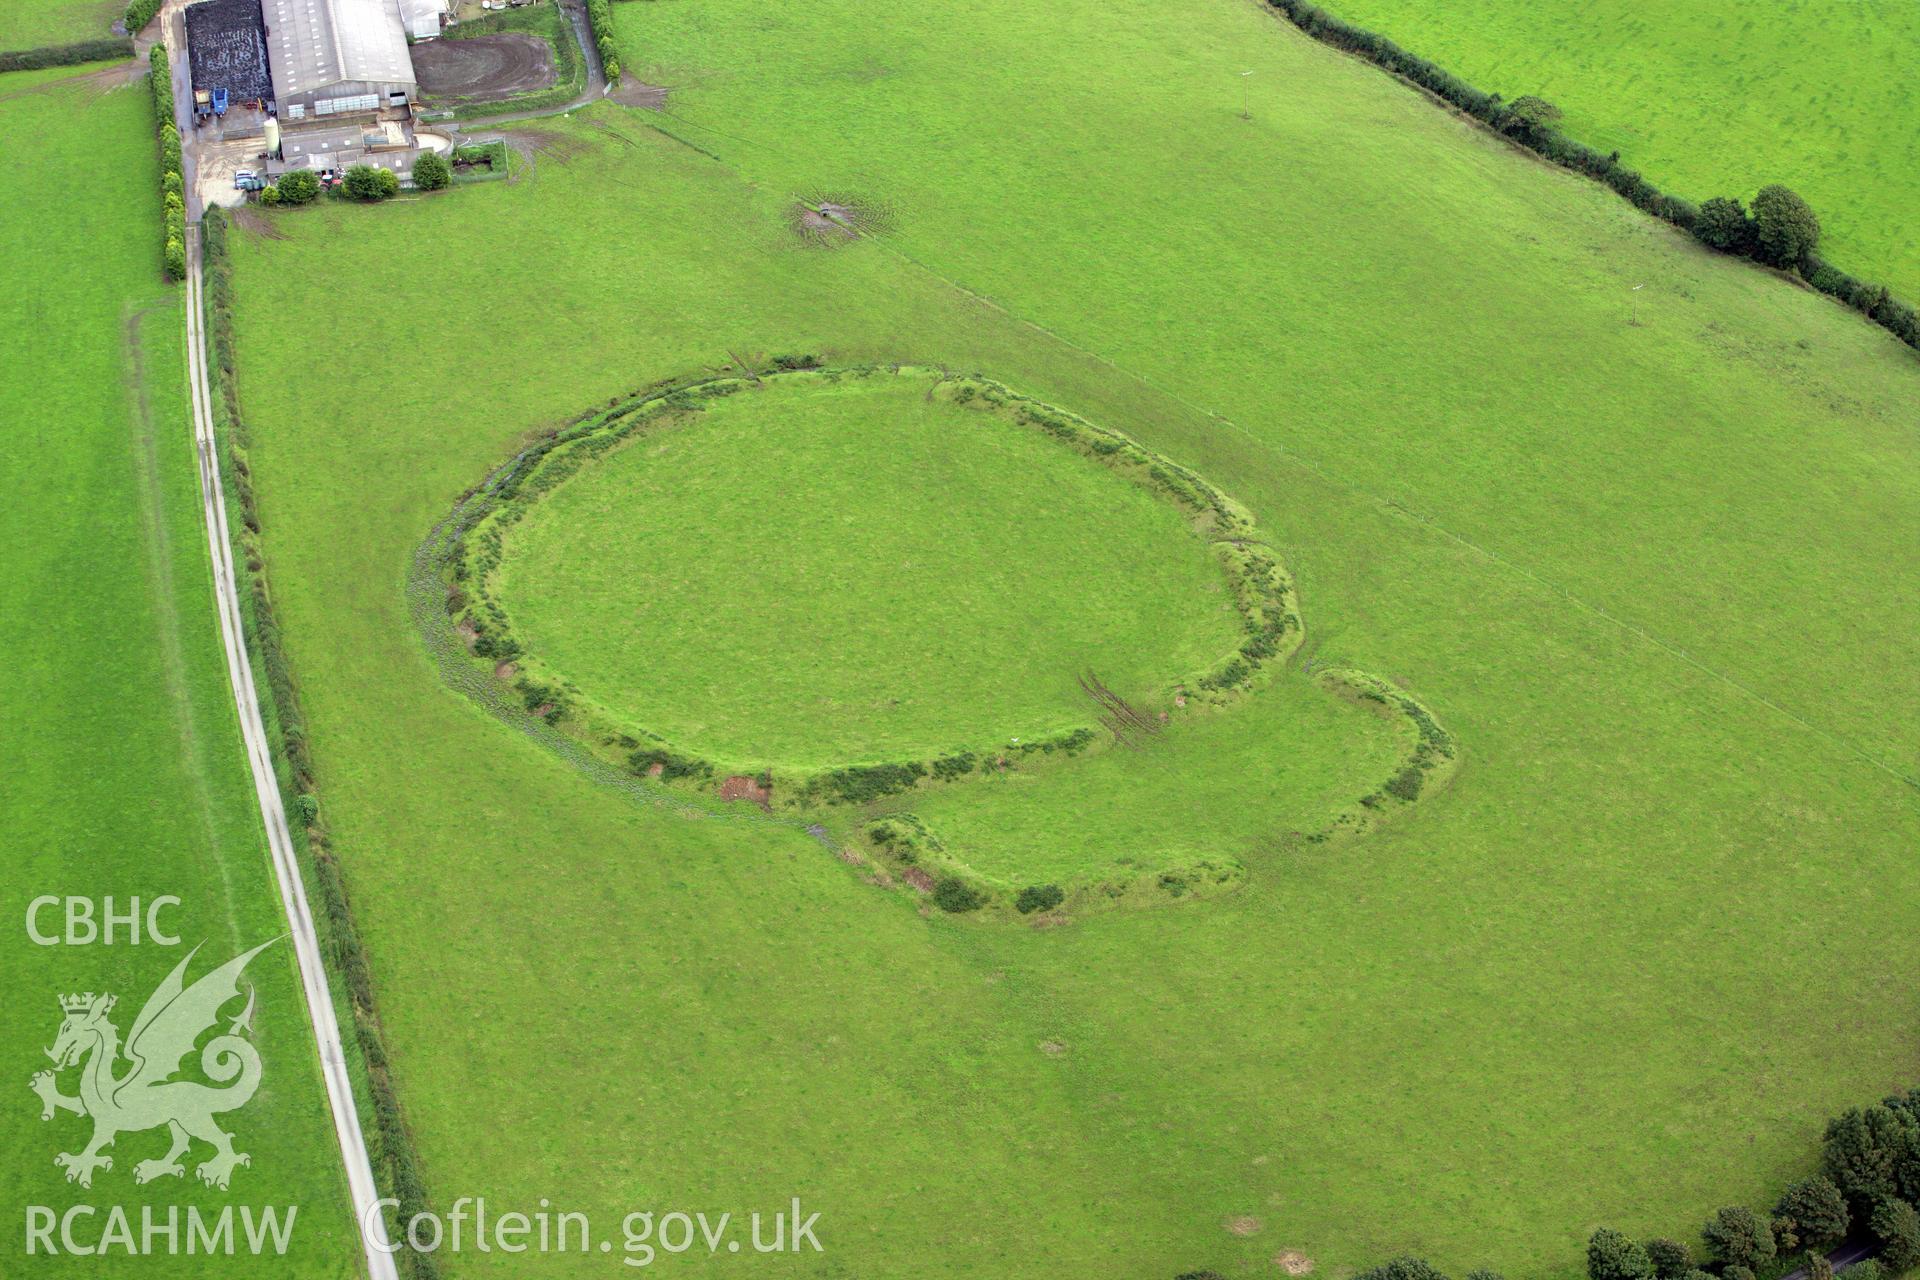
(370,1223)
(164,595)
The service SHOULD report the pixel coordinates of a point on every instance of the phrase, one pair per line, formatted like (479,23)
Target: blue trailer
(219,102)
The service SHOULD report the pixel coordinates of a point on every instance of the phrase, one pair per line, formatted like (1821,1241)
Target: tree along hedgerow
(173,210)
(1531,125)
(395,1156)
(1871,1157)
(66,55)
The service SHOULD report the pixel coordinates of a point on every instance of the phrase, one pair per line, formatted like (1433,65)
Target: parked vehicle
(202,105)
(219,102)
(248,180)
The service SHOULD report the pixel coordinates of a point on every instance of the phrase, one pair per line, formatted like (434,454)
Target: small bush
(1531,117)
(1408,1268)
(431,172)
(956,895)
(1785,226)
(1817,1211)
(369,183)
(1863,1150)
(1039,897)
(1406,785)
(1896,1226)
(140,13)
(858,784)
(1738,1237)
(1612,1256)
(301,186)
(1723,224)
(1670,1258)
(672,765)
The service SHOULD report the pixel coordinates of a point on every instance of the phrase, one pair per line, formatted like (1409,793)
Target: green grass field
(29,24)
(122,765)
(1654,575)
(1716,97)
(809,576)
(1235,788)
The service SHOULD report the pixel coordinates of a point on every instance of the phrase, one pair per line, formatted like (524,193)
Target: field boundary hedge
(173,208)
(1873,301)
(606,41)
(105,49)
(1263,593)
(140,13)
(396,1159)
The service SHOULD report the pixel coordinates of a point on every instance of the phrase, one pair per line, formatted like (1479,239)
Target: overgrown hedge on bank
(1868,1183)
(106,49)
(140,13)
(1529,122)
(396,1163)
(600,18)
(173,230)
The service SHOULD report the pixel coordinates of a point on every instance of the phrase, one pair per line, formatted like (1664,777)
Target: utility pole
(1246,96)
(1633,311)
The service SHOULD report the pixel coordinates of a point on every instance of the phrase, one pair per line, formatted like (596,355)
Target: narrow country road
(369,1224)
(1849,1252)
(286,863)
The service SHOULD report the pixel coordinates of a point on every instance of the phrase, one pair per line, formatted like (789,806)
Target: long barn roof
(319,43)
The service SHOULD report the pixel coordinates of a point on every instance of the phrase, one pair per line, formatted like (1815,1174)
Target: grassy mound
(816,570)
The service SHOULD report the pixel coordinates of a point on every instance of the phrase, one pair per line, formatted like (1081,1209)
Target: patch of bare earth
(829,220)
(257,224)
(918,878)
(1242,1225)
(740,786)
(536,145)
(484,68)
(648,97)
(1052,1048)
(506,671)
(1293,1262)
(117,76)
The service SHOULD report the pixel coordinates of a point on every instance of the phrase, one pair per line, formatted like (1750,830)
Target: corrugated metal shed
(227,49)
(421,18)
(327,49)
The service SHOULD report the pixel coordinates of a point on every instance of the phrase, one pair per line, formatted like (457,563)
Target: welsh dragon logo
(146,1094)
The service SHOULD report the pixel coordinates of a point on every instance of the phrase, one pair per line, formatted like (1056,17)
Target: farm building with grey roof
(335,56)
